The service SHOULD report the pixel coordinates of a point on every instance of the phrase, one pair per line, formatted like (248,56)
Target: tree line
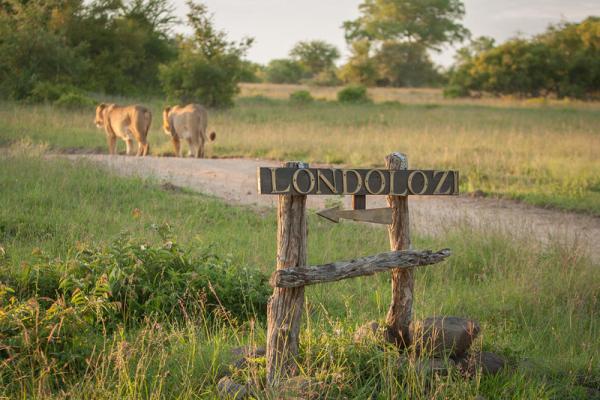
(59,50)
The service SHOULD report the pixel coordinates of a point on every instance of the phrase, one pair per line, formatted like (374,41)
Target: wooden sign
(373,215)
(331,181)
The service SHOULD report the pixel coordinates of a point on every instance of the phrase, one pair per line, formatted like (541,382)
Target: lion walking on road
(127,123)
(187,122)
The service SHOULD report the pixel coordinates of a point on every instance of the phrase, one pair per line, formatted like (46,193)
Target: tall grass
(537,308)
(545,155)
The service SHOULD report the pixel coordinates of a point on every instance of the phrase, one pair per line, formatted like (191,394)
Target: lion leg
(112,144)
(190,147)
(176,145)
(200,150)
(146,149)
(129,144)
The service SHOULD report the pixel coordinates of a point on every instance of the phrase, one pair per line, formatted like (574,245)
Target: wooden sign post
(400,312)
(293,182)
(284,311)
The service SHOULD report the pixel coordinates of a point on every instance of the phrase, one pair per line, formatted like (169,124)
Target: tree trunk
(400,312)
(284,311)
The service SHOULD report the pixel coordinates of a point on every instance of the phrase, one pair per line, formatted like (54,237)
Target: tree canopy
(316,55)
(563,61)
(390,40)
(429,23)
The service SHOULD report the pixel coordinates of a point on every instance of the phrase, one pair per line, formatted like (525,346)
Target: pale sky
(277,25)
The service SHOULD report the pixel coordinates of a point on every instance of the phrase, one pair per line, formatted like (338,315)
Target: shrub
(353,94)
(73,100)
(52,311)
(301,97)
(284,71)
(193,78)
(48,92)
(455,91)
(325,78)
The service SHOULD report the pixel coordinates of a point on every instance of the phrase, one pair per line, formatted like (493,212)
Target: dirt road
(234,180)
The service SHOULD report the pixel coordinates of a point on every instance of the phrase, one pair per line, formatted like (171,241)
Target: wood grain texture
(357,182)
(303,276)
(373,215)
(400,312)
(284,311)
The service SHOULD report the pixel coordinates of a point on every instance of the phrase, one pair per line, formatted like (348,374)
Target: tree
(101,45)
(208,67)
(285,70)
(316,56)
(399,33)
(405,64)
(361,68)
(563,61)
(33,47)
(429,23)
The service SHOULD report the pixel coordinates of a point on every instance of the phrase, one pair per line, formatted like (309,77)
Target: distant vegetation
(87,49)
(563,62)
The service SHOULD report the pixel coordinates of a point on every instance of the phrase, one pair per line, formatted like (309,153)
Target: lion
(189,123)
(127,123)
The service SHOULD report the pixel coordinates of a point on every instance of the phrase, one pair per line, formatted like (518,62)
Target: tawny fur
(187,122)
(127,123)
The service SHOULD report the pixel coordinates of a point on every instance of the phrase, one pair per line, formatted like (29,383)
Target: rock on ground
(439,336)
(228,389)
(489,363)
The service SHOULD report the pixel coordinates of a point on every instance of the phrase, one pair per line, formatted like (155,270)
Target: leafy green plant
(455,91)
(72,100)
(300,97)
(353,94)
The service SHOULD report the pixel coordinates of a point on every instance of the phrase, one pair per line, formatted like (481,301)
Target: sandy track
(234,180)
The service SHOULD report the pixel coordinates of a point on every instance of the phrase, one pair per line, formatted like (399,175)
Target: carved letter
(410,182)
(368,186)
(345,181)
(311,184)
(441,182)
(321,177)
(274,183)
(455,182)
(392,184)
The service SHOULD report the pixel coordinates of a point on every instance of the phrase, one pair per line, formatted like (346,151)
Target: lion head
(100,115)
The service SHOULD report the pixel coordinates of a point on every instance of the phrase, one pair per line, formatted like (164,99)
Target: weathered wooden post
(400,312)
(284,311)
(292,183)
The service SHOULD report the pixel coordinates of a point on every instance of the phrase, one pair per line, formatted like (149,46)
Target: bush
(325,78)
(73,100)
(455,91)
(143,280)
(193,78)
(46,91)
(301,97)
(285,71)
(353,94)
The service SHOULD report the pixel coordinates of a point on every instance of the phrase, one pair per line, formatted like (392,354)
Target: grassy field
(538,309)
(545,153)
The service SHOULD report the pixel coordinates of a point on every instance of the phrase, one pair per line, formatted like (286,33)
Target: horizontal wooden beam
(356,182)
(303,276)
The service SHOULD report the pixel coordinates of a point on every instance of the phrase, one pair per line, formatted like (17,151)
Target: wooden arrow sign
(373,215)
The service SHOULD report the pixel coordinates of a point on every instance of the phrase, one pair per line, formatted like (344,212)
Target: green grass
(547,155)
(533,305)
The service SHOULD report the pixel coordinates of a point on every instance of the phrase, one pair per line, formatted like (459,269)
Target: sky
(276,25)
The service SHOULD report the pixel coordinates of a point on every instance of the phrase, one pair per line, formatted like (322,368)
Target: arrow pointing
(373,215)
